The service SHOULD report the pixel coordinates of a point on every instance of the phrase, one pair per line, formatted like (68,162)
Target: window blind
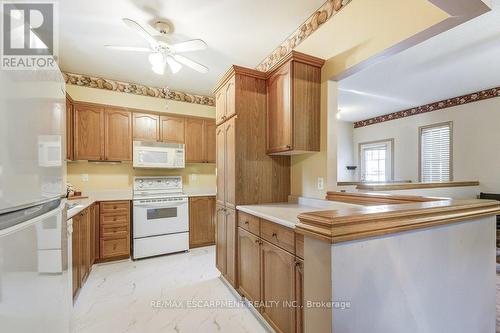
(435,153)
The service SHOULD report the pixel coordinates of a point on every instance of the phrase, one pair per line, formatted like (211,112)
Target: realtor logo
(28,35)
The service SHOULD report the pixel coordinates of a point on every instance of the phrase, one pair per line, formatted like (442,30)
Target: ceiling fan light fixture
(175,67)
(158,63)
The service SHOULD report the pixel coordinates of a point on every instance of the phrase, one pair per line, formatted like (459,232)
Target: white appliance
(161,216)
(35,282)
(158,155)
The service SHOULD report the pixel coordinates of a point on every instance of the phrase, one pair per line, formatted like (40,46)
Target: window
(436,153)
(376,160)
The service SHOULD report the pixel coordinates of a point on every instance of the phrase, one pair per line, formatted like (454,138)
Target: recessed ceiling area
(236,32)
(456,62)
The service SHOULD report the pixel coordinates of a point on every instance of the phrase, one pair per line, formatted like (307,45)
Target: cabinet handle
(275,235)
(297,263)
(288,146)
(246,222)
(257,241)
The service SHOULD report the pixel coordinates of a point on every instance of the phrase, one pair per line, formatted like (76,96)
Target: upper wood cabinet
(225,99)
(146,127)
(195,140)
(118,135)
(210,141)
(293,105)
(89,132)
(172,129)
(70,153)
(102,134)
(201,221)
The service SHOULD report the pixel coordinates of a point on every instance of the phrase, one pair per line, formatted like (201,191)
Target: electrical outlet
(321,183)
(193,177)
(85,177)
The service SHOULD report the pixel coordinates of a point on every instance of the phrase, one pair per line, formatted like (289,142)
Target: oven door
(160,218)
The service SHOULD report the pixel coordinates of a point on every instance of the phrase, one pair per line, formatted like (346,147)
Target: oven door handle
(160,205)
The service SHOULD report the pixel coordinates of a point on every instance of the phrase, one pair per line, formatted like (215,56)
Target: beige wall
(103,176)
(476,142)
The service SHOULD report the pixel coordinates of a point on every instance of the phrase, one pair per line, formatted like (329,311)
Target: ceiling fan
(161,51)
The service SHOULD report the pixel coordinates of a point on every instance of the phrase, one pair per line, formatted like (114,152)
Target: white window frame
(389,157)
(420,159)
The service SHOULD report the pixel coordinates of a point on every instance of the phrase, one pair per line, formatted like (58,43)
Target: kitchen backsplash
(105,176)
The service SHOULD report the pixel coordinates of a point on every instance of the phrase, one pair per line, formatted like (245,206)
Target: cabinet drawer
(114,219)
(114,247)
(249,222)
(115,207)
(278,235)
(114,231)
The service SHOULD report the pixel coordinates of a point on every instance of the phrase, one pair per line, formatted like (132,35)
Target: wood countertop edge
(340,226)
(413,186)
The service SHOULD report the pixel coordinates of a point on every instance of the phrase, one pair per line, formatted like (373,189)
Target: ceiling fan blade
(140,30)
(190,63)
(128,48)
(190,45)
(174,65)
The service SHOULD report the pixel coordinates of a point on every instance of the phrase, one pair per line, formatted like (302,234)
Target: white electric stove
(161,216)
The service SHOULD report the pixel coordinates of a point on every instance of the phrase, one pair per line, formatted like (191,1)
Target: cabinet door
(279,112)
(278,285)
(220,240)
(230,96)
(172,129)
(210,140)
(220,105)
(89,132)
(92,233)
(299,295)
(195,140)
(249,264)
(146,127)
(221,163)
(201,226)
(231,246)
(118,135)
(69,130)
(75,254)
(97,228)
(230,163)
(84,246)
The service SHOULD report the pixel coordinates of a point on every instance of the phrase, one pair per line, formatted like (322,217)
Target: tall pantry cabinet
(245,173)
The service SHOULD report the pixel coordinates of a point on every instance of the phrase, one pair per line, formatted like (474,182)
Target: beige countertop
(93,196)
(200,192)
(286,213)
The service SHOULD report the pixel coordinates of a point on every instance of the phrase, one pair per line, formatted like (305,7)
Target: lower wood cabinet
(83,247)
(249,264)
(114,231)
(225,233)
(270,271)
(201,221)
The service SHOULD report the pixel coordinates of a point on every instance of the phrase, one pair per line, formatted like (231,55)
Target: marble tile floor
(118,297)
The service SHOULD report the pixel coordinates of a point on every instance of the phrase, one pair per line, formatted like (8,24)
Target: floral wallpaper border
(136,89)
(447,103)
(323,14)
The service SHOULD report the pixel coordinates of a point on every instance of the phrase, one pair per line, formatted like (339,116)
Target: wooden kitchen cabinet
(146,126)
(293,105)
(118,135)
(249,264)
(225,101)
(201,221)
(221,164)
(278,284)
(84,246)
(70,152)
(231,247)
(75,255)
(195,141)
(89,132)
(210,141)
(226,163)
(172,129)
(299,295)
(220,239)
(114,230)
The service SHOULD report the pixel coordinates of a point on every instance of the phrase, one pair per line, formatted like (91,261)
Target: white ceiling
(237,32)
(457,62)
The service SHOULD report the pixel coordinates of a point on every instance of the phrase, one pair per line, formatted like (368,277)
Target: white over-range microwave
(158,155)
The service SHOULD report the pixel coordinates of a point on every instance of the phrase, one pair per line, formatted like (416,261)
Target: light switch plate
(85,177)
(321,183)
(193,177)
